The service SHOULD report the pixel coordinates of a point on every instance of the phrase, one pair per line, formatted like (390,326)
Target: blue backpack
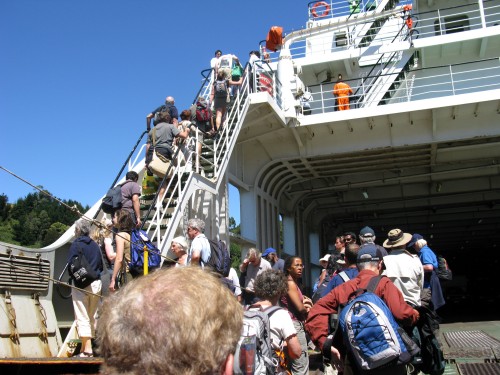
(139,239)
(370,331)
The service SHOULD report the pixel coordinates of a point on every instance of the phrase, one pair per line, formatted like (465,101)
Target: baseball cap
(414,239)
(369,253)
(367,232)
(268,251)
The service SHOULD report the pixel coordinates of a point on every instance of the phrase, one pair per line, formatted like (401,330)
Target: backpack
(319,290)
(220,259)
(139,239)
(112,201)
(433,362)
(236,72)
(203,114)
(443,271)
(221,89)
(163,108)
(370,331)
(254,354)
(226,61)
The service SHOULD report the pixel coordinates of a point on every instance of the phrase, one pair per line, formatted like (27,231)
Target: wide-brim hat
(396,237)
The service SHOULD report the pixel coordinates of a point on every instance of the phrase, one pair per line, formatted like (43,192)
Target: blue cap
(367,232)
(368,253)
(268,251)
(414,239)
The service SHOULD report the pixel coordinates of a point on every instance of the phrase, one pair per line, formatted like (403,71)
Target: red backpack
(203,114)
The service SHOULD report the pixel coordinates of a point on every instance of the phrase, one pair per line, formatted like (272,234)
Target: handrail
(163,181)
(376,65)
(485,73)
(122,168)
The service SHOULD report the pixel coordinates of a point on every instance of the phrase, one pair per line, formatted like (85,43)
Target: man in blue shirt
(350,271)
(271,256)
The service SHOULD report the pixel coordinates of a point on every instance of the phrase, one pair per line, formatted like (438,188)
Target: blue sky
(77,79)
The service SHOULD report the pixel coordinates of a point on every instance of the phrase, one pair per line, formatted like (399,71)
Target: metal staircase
(161,220)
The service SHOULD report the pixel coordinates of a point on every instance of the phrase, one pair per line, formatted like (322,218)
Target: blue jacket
(90,249)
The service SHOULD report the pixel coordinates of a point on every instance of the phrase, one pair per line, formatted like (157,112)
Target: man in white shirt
(200,252)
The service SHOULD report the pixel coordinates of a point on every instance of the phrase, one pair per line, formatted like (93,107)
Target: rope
(48,278)
(75,210)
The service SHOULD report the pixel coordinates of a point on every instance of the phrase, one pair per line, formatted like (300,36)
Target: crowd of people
(166,299)
(184,320)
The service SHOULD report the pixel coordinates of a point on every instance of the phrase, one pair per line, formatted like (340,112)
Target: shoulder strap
(154,137)
(271,310)
(372,285)
(344,276)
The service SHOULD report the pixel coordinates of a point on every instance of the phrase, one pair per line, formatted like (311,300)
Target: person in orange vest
(341,91)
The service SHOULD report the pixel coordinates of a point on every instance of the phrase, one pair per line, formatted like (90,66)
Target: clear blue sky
(78,77)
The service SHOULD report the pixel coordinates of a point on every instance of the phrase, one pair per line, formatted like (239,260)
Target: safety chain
(43,335)
(14,335)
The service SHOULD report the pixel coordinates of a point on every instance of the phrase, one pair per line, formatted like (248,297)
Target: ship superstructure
(418,147)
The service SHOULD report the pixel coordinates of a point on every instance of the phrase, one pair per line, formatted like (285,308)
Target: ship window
(453,24)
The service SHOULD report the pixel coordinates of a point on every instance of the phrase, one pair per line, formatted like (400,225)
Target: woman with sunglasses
(298,307)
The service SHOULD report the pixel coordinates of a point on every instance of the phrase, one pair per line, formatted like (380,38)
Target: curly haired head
(270,284)
(157,325)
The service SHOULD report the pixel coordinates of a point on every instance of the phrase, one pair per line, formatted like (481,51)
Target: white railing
(417,84)
(425,25)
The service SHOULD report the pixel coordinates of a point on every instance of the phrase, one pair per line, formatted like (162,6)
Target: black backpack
(112,201)
(220,259)
(163,108)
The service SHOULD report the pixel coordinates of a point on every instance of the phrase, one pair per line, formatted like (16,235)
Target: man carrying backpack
(370,264)
(167,107)
(131,191)
(200,252)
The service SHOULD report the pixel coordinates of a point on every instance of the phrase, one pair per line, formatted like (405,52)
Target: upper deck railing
(418,84)
(426,24)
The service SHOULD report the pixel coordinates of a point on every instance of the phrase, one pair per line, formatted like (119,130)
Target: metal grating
(479,368)
(470,339)
(24,273)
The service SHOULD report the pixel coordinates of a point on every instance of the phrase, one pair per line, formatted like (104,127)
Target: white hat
(325,258)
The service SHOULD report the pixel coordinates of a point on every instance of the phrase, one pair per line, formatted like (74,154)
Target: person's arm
(293,346)
(244,265)
(120,245)
(108,247)
(195,257)
(184,134)
(137,209)
(148,121)
(294,296)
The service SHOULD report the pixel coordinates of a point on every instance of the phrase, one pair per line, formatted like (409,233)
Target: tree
(233,227)
(31,217)
(55,231)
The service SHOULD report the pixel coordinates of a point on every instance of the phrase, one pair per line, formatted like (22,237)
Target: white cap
(325,258)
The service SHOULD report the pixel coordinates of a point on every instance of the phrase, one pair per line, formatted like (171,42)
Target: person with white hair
(366,236)
(178,320)
(180,249)
(86,300)
(200,251)
(432,294)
